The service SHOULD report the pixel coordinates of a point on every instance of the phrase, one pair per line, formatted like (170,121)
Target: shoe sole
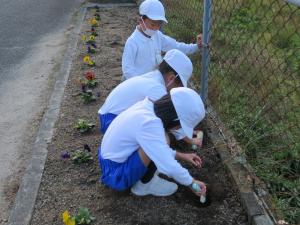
(154,194)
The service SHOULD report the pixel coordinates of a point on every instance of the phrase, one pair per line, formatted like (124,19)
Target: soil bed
(66,186)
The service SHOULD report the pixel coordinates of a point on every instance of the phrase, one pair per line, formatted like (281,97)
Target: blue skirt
(121,176)
(105,120)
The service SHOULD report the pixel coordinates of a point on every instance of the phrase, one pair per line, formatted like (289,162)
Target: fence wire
(254,83)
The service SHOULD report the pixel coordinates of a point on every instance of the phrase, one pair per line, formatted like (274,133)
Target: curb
(23,207)
(241,173)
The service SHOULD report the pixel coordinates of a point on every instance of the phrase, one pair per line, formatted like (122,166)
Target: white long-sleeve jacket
(139,127)
(142,54)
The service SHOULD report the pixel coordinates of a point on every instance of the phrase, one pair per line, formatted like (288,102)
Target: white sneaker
(156,186)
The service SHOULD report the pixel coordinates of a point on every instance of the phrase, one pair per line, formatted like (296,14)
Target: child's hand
(197,142)
(199,40)
(192,158)
(202,187)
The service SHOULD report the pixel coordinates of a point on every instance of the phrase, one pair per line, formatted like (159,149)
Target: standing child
(143,49)
(135,145)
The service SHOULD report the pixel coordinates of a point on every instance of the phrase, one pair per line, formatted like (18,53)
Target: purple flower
(94,45)
(65,155)
(83,87)
(91,50)
(98,94)
(87,147)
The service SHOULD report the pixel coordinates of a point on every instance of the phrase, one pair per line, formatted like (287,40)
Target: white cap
(181,64)
(153,9)
(189,108)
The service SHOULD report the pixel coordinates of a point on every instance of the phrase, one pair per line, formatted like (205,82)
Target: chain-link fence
(254,83)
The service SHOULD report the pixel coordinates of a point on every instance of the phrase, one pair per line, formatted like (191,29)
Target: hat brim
(183,81)
(186,129)
(154,17)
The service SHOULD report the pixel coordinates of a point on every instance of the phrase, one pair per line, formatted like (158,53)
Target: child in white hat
(135,145)
(143,49)
(175,71)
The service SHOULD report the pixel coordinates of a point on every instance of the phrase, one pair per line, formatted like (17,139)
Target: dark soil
(66,186)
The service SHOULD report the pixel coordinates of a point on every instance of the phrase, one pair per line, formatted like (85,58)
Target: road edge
(24,203)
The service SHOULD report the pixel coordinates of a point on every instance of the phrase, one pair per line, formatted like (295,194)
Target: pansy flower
(65,155)
(67,219)
(94,45)
(91,50)
(93,22)
(91,63)
(92,37)
(90,75)
(86,59)
(87,147)
(95,34)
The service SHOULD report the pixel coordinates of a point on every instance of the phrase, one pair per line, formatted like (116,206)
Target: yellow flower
(92,37)
(71,221)
(86,59)
(91,63)
(83,37)
(93,22)
(67,219)
(65,216)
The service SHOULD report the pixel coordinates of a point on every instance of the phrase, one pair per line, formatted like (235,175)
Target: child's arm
(152,140)
(128,59)
(169,43)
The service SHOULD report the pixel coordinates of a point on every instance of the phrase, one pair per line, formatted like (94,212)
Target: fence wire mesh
(254,83)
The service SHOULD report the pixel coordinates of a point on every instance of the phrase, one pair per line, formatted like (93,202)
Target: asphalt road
(33,37)
(23,22)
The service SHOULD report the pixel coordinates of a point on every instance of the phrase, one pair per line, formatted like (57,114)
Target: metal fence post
(205,49)
(161,28)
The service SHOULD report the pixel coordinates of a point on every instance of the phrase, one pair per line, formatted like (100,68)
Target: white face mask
(148,32)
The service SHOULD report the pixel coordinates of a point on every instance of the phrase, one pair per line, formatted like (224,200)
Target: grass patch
(254,84)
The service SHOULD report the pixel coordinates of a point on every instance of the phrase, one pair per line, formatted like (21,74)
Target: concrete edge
(24,203)
(240,171)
